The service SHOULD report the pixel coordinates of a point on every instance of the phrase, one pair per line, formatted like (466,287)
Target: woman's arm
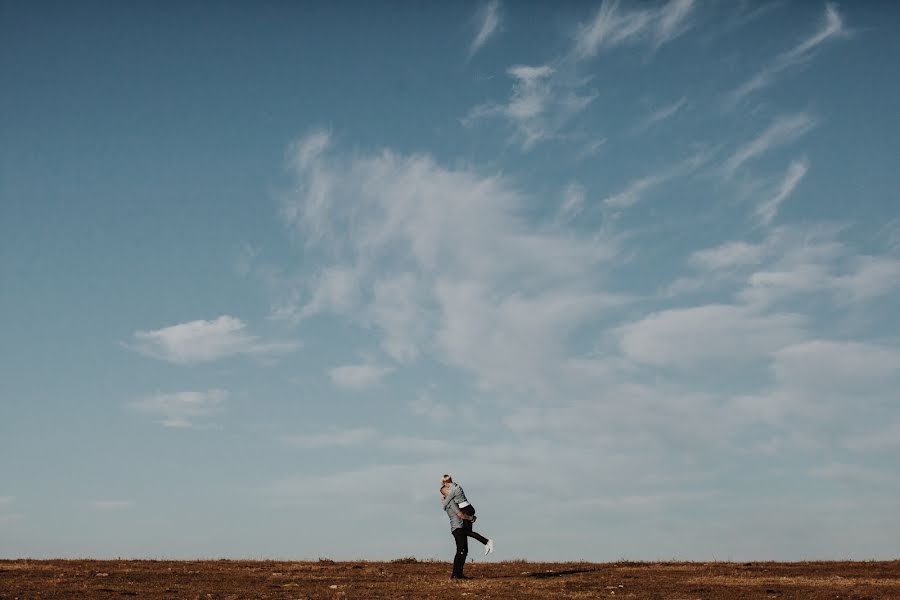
(451,494)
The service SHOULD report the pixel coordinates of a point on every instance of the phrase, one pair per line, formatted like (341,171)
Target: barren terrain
(407,578)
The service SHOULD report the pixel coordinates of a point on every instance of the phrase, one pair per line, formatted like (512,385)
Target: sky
(627,270)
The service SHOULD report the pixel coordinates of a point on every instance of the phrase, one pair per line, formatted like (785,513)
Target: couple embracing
(462,516)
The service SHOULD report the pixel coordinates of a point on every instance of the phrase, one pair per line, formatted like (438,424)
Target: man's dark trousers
(462,550)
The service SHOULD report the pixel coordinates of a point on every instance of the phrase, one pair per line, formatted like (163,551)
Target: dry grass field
(407,578)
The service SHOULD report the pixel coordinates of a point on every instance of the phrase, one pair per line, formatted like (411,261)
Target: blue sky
(628,271)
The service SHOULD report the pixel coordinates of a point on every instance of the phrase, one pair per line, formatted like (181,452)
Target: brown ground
(202,580)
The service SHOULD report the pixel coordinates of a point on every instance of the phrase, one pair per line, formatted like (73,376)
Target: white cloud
(366,437)
(425,406)
(434,250)
(205,341)
(792,261)
(821,387)
(613,27)
(11,518)
(661,114)
(767,210)
(671,21)
(358,377)
(417,446)
(336,290)
(518,342)
(809,261)
(783,130)
(397,309)
(573,201)
(867,277)
(112,504)
(636,190)
(710,334)
(591,148)
(180,409)
(853,474)
(832,27)
(489,18)
(333,438)
(728,255)
(824,367)
(541,102)
(877,439)
(891,233)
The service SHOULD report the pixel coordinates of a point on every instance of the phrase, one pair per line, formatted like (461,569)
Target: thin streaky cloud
(634,192)
(613,27)
(747,13)
(365,437)
(767,211)
(358,377)
(661,114)
(728,255)
(853,474)
(11,517)
(783,130)
(592,148)
(540,104)
(334,438)
(672,21)
(489,17)
(180,409)
(205,341)
(832,27)
(425,406)
(573,201)
(112,504)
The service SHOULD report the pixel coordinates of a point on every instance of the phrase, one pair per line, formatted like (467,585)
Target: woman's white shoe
(489,547)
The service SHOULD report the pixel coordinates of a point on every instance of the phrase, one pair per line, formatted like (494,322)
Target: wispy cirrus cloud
(661,114)
(358,377)
(612,26)
(767,210)
(180,409)
(783,130)
(109,505)
(205,341)
(792,261)
(425,406)
(488,19)
(854,474)
(728,255)
(635,191)
(365,437)
(444,264)
(832,28)
(703,335)
(848,278)
(333,438)
(541,102)
(545,98)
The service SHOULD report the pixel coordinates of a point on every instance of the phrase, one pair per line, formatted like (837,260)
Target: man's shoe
(489,547)
(459,577)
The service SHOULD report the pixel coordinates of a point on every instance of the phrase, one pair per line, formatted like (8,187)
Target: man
(461,528)
(457,518)
(456,494)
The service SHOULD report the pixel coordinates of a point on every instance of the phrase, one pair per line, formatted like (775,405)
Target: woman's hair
(447,479)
